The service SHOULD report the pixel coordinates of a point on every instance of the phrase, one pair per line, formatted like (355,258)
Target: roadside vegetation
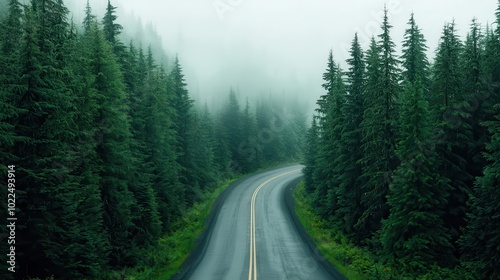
(166,259)
(354,262)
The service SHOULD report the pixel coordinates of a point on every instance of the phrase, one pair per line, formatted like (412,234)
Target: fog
(280,47)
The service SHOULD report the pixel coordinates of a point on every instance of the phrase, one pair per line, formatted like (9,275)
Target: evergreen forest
(403,152)
(108,148)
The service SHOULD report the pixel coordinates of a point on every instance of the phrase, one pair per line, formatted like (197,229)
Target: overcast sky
(281,46)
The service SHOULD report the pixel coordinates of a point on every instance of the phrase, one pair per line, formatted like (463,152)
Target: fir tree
(337,150)
(414,59)
(376,146)
(10,43)
(477,91)
(447,76)
(162,143)
(414,234)
(310,156)
(230,119)
(263,118)
(112,31)
(222,152)
(202,144)
(147,222)
(64,232)
(480,242)
(389,78)
(271,130)
(89,18)
(453,135)
(349,192)
(329,108)
(113,148)
(294,130)
(182,104)
(379,159)
(247,149)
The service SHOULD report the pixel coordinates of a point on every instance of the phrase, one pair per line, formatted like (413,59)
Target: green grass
(356,263)
(173,249)
(348,259)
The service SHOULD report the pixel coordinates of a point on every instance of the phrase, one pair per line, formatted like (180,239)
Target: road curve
(252,227)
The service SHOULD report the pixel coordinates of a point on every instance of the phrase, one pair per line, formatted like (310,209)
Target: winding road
(252,235)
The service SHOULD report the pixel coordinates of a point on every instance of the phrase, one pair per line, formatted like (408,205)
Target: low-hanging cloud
(281,46)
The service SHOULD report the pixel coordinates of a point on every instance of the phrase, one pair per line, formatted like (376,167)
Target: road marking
(252,268)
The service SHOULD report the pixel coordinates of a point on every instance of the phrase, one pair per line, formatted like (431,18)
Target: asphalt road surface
(252,236)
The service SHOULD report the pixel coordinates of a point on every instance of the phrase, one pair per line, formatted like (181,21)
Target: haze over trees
(402,156)
(109,148)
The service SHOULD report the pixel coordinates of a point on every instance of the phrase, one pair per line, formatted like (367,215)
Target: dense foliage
(403,155)
(110,150)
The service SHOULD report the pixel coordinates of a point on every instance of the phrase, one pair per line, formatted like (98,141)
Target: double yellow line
(252,268)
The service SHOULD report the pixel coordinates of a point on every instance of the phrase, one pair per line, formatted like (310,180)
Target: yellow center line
(252,268)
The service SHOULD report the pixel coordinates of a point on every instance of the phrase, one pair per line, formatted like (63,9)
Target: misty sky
(281,46)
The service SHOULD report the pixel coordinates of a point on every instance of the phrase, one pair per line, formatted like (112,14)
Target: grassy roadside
(173,249)
(356,263)
(350,260)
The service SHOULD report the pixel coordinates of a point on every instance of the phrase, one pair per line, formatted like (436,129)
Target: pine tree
(379,159)
(147,222)
(329,109)
(476,90)
(414,59)
(231,120)
(414,234)
(112,31)
(222,152)
(85,250)
(151,119)
(335,124)
(480,242)
(389,79)
(63,233)
(263,117)
(162,141)
(278,132)
(10,43)
(349,192)
(202,150)
(310,156)
(376,146)
(182,120)
(294,129)
(248,149)
(447,76)
(270,122)
(491,64)
(89,18)
(453,135)
(113,148)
